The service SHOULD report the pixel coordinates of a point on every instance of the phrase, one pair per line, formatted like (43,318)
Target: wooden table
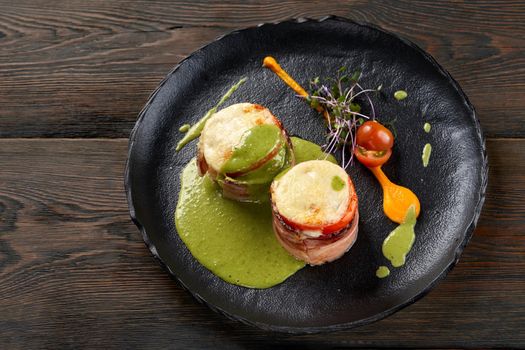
(74,272)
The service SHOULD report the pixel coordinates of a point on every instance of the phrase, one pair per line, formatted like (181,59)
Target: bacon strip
(315,251)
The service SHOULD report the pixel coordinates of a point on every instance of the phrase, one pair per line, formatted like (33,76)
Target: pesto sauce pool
(235,240)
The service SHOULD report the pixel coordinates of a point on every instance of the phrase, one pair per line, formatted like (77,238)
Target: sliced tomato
(328,229)
(347,218)
(372,159)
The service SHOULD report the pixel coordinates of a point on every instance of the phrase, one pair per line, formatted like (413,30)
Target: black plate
(345,293)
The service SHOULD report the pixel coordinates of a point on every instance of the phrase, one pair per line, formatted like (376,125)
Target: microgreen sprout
(343,101)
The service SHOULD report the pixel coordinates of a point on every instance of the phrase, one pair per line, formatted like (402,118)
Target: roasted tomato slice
(333,227)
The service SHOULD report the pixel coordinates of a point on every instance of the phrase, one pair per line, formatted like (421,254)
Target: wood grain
(84,69)
(74,272)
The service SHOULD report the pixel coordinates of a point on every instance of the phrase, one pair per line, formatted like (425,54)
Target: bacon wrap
(234,190)
(315,250)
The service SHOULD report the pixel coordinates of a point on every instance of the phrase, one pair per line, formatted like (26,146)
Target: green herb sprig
(342,97)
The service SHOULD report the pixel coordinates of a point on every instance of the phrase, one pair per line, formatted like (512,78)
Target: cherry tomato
(374,136)
(372,159)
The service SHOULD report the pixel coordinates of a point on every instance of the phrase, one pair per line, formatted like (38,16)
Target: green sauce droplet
(426,154)
(399,242)
(427,127)
(337,183)
(382,272)
(185,128)
(256,143)
(400,95)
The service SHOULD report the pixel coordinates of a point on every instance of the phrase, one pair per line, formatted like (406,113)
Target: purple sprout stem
(369,101)
(349,93)
(349,126)
(363,92)
(334,140)
(330,139)
(356,113)
(330,146)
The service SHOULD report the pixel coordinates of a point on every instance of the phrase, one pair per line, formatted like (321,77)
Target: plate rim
(341,326)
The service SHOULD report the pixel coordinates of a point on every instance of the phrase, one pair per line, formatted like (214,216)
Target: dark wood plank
(74,272)
(88,85)
(499,17)
(84,69)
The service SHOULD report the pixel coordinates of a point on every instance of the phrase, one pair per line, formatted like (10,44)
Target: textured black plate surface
(344,293)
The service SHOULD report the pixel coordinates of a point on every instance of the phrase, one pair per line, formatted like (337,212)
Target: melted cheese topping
(223,131)
(305,194)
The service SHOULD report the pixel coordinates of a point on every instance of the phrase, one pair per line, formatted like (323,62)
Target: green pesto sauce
(258,181)
(426,154)
(306,150)
(399,242)
(281,174)
(235,240)
(337,183)
(266,173)
(400,95)
(382,272)
(427,127)
(185,128)
(195,130)
(255,144)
